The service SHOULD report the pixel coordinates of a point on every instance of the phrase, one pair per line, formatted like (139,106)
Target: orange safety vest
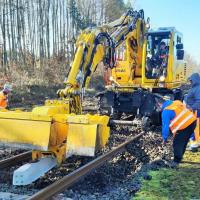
(3,100)
(184,117)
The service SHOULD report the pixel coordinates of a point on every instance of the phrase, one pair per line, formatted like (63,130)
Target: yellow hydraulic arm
(93,47)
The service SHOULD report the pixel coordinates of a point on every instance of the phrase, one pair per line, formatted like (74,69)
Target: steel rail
(8,162)
(81,172)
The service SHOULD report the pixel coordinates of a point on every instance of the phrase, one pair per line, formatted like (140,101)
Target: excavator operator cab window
(157,55)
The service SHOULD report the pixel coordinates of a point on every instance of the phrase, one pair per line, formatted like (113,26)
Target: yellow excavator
(149,65)
(58,129)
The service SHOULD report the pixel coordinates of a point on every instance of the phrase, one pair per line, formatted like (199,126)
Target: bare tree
(34,33)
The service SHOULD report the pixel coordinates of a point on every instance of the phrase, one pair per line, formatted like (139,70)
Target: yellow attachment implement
(86,133)
(49,130)
(24,130)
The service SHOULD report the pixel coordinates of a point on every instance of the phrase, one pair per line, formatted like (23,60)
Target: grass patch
(173,184)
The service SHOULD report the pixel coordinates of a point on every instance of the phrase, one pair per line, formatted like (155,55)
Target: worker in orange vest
(181,122)
(4,96)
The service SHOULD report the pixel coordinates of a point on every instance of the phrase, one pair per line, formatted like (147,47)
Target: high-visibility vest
(184,117)
(3,100)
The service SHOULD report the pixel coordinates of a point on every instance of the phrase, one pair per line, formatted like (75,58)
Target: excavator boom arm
(95,46)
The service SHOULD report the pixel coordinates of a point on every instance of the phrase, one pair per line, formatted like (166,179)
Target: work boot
(172,164)
(193,147)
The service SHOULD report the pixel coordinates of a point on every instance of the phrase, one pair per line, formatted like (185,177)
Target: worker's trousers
(180,141)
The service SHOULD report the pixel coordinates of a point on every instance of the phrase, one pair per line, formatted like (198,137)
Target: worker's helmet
(167,97)
(162,102)
(7,88)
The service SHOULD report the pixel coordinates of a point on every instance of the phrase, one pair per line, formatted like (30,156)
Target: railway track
(81,172)
(14,160)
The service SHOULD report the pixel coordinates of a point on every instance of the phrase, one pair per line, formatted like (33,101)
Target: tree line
(37,37)
(35,32)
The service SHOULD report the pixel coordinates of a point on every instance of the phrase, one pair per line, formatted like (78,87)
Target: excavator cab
(157,55)
(163,63)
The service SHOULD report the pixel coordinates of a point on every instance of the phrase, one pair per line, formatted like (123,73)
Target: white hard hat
(167,97)
(7,87)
